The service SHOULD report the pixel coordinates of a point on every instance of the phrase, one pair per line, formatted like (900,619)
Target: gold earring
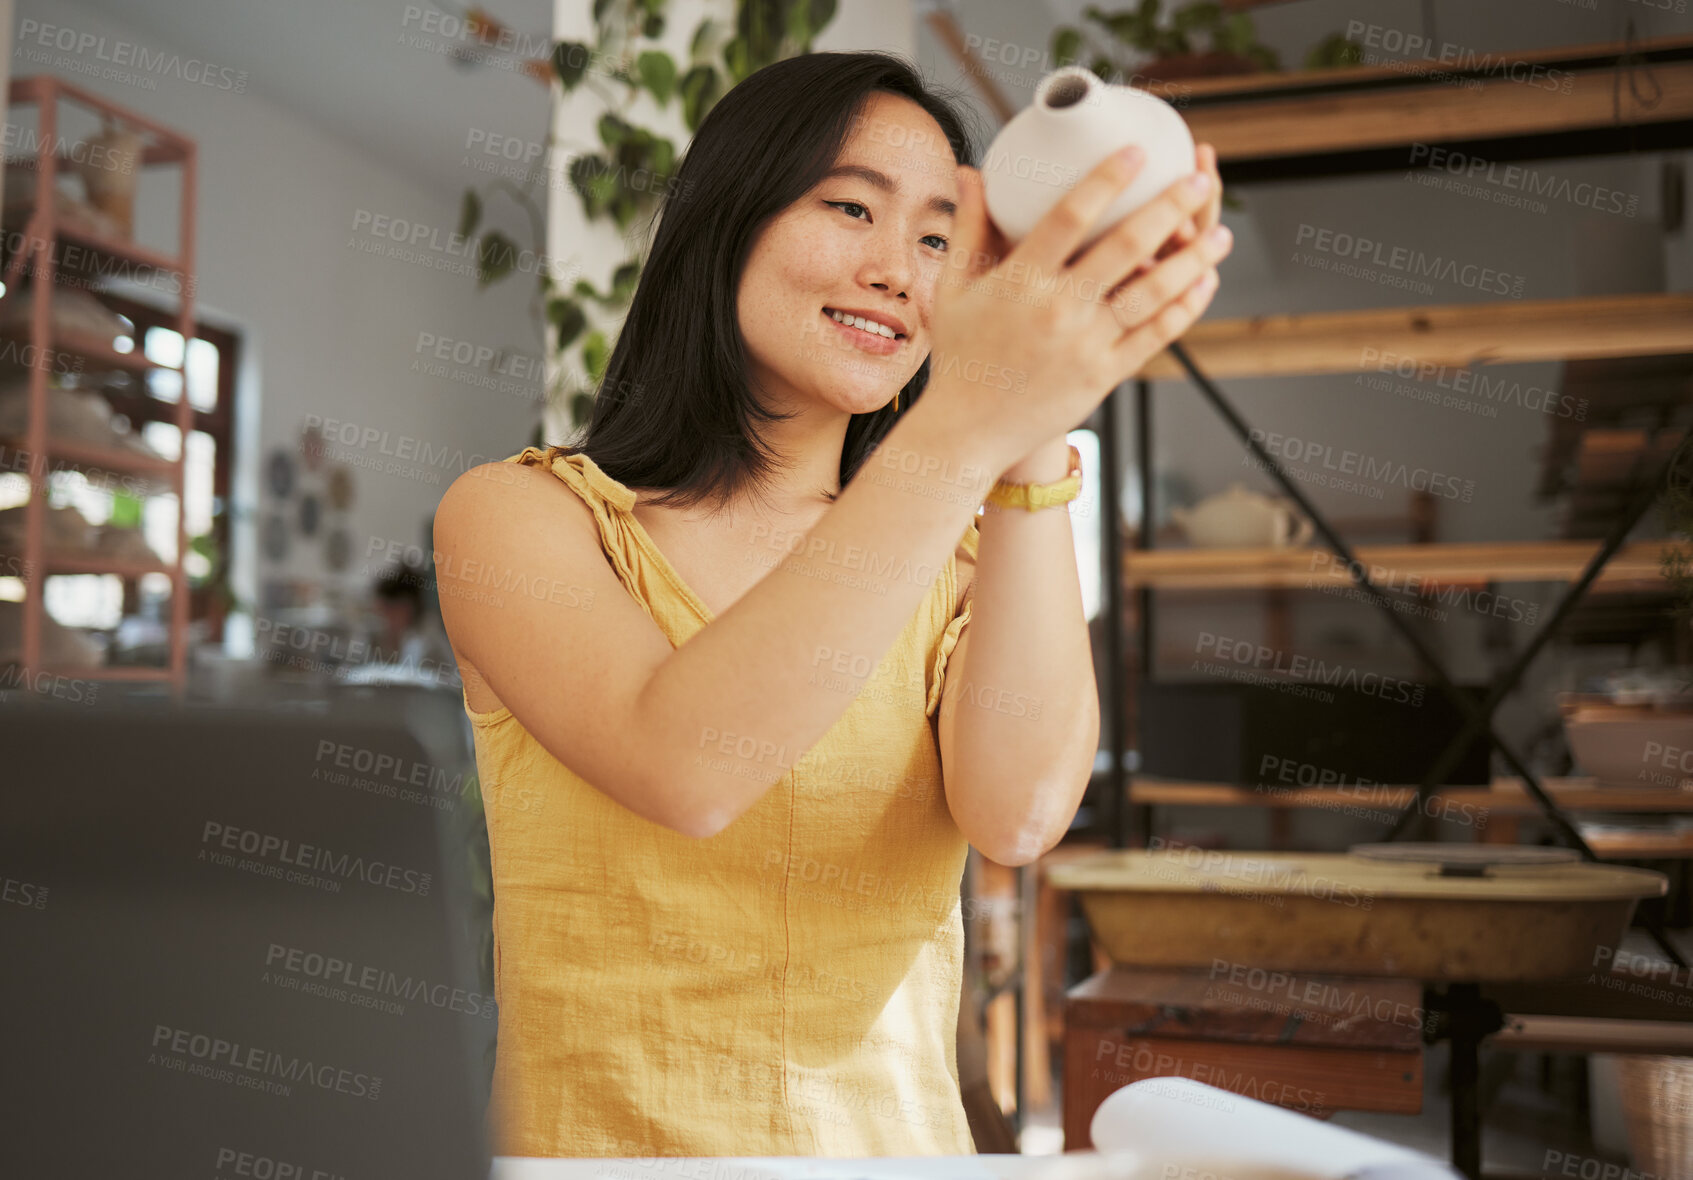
(896,401)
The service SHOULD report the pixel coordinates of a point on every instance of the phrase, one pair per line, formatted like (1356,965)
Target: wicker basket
(1657,1103)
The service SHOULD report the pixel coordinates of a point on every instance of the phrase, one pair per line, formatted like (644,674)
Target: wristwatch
(1035,496)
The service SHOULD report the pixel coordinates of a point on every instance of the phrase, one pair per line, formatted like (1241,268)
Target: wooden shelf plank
(1578,1034)
(110,672)
(165,147)
(1640,845)
(102,248)
(102,357)
(1403,567)
(1254,87)
(87,456)
(1394,105)
(1405,339)
(1505,795)
(68,562)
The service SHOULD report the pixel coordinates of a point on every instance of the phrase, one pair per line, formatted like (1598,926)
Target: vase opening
(1066,89)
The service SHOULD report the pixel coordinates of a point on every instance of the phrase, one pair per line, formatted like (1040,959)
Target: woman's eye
(844,205)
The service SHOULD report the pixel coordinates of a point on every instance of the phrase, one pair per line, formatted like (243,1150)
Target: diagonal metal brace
(1644,499)
(1360,575)
(1478,718)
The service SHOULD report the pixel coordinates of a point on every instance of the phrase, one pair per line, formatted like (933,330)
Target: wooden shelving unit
(1380,119)
(1388,118)
(39,256)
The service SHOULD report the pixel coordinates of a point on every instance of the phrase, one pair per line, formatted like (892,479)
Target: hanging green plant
(1197,39)
(623,179)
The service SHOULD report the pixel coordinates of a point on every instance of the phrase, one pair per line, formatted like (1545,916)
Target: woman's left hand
(1053,454)
(1205,156)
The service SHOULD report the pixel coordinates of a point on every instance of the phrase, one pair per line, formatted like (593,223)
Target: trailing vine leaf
(737,55)
(591,177)
(568,320)
(805,21)
(1129,27)
(623,281)
(1220,31)
(761,24)
(1334,51)
(470,213)
(570,63)
(653,26)
(1236,35)
(613,130)
(797,27)
(596,351)
(600,7)
(658,74)
(581,407)
(704,36)
(1204,15)
(496,255)
(821,13)
(699,89)
(1066,47)
(663,159)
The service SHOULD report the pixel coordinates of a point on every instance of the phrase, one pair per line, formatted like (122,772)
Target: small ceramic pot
(1073,123)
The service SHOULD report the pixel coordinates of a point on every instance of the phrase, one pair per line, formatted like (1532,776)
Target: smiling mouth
(886,333)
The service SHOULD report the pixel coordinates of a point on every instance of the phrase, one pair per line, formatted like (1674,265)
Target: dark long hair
(674,410)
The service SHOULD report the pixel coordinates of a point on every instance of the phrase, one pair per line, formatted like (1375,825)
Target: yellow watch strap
(1035,496)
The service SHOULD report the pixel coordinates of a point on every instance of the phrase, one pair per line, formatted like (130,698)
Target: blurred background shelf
(59,254)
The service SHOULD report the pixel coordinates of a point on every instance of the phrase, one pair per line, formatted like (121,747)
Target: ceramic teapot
(1242,519)
(1074,121)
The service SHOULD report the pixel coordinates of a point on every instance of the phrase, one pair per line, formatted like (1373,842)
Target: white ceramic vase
(1073,123)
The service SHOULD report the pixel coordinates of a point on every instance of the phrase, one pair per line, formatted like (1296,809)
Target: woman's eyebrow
(881,180)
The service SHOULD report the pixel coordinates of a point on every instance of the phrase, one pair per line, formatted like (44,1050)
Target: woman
(729,782)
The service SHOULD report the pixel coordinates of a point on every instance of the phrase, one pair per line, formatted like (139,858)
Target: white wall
(326,329)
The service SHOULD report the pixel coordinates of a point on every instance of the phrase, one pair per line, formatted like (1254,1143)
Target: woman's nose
(890,268)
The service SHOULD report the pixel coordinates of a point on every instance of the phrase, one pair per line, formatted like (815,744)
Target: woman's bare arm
(692,737)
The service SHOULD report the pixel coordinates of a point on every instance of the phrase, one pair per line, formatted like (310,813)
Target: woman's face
(871,240)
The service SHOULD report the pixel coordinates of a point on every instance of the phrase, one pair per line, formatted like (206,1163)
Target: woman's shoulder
(515,499)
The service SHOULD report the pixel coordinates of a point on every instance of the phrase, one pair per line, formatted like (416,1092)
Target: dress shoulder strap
(621,536)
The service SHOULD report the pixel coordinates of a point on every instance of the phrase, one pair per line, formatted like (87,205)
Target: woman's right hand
(1026,344)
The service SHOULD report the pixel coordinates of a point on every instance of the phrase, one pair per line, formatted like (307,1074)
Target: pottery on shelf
(1074,121)
(110,170)
(1242,519)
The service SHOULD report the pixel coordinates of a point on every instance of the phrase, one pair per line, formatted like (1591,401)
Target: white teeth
(863,324)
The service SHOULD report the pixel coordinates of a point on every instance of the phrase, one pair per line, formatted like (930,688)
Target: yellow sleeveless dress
(789,986)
